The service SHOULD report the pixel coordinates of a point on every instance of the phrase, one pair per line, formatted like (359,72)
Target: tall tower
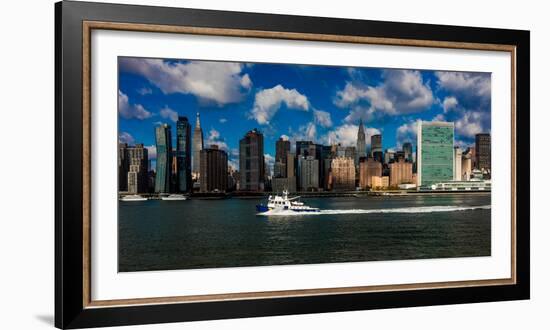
(483,151)
(197,147)
(251,161)
(361,143)
(435,152)
(183,154)
(163,137)
(376,147)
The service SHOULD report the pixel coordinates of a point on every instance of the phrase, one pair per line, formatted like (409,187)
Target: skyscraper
(213,169)
(483,152)
(408,151)
(282,148)
(457,170)
(368,168)
(251,161)
(376,147)
(309,173)
(183,155)
(123,167)
(400,172)
(163,138)
(197,147)
(138,163)
(343,173)
(361,143)
(435,152)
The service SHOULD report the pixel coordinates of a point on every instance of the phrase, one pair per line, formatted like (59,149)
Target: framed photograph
(218,164)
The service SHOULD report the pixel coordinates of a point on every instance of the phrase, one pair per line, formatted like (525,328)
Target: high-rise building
(361,143)
(287,182)
(123,167)
(282,148)
(163,137)
(351,152)
(467,164)
(309,173)
(198,144)
(183,155)
(408,151)
(138,163)
(435,152)
(251,161)
(376,147)
(400,172)
(483,152)
(343,173)
(213,171)
(374,168)
(457,169)
(305,148)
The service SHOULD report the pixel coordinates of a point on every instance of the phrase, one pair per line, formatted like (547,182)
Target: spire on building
(198,124)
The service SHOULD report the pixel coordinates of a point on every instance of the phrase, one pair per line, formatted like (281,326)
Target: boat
(133,198)
(174,197)
(285,205)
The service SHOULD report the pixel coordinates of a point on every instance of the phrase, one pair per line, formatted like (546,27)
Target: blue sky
(299,102)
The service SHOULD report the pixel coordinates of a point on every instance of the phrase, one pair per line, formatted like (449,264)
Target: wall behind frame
(27,128)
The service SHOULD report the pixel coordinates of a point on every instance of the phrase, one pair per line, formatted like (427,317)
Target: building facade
(183,155)
(367,169)
(309,173)
(408,151)
(376,147)
(251,161)
(198,144)
(138,163)
(214,172)
(361,143)
(163,139)
(343,173)
(401,172)
(380,182)
(435,152)
(123,167)
(457,169)
(466,166)
(483,152)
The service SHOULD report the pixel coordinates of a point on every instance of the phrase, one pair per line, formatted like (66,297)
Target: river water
(166,235)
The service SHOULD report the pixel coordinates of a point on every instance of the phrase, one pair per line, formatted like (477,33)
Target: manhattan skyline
(323,104)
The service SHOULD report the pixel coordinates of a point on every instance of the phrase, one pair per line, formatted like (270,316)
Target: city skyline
(299,102)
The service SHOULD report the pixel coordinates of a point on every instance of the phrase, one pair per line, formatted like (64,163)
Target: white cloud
(465,83)
(322,118)
(449,103)
(217,82)
(401,92)
(407,132)
(268,101)
(470,124)
(285,137)
(215,138)
(152,151)
(223,120)
(125,137)
(346,135)
(168,113)
(128,110)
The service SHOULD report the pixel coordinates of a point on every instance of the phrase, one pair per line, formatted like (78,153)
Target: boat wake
(419,209)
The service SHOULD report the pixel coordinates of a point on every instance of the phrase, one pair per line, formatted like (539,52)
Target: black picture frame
(70,309)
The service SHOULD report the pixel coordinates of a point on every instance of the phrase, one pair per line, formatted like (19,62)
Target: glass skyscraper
(163,138)
(183,155)
(435,152)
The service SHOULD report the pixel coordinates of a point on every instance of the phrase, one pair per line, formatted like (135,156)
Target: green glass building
(163,137)
(435,148)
